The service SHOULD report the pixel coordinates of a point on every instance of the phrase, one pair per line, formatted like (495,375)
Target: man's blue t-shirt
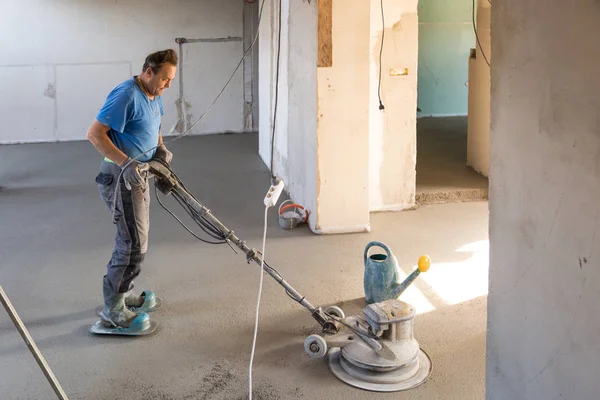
(133,118)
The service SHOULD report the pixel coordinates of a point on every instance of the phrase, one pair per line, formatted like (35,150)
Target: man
(128,126)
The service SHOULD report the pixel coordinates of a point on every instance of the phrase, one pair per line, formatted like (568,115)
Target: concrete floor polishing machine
(375,351)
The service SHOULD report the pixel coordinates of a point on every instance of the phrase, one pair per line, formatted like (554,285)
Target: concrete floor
(56,237)
(442,173)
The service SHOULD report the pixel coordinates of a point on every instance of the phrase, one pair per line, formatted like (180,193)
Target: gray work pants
(132,217)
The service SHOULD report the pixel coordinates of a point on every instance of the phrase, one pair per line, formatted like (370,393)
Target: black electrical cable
(207,226)
(276,92)
(217,235)
(279,279)
(181,222)
(214,235)
(200,220)
(381,106)
(205,222)
(477,36)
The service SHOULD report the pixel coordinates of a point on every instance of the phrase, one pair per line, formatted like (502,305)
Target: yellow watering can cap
(424,263)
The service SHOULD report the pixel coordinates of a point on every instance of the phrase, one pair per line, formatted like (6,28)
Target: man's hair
(156,60)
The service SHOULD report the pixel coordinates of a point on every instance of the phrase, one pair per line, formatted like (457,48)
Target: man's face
(157,83)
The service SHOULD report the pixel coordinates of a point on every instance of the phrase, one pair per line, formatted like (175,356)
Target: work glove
(134,173)
(163,154)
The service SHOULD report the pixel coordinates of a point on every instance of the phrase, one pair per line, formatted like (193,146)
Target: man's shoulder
(125,88)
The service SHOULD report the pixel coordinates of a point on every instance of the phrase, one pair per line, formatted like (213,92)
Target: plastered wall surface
(266,86)
(269,94)
(339,155)
(295,117)
(445,38)
(342,182)
(63,57)
(392,141)
(478,132)
(544,293)
(302,100)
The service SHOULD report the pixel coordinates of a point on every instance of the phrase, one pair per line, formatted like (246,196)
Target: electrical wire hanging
(276,92)
(224,87)
(477,35)
(381,106)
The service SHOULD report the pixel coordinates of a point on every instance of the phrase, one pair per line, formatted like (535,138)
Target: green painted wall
(445,39)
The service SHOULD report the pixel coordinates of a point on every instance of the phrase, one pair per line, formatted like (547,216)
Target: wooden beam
(325,35)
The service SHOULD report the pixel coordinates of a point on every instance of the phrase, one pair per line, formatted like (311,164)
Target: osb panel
(325,35)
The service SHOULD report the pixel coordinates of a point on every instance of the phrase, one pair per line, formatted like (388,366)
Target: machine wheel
(336,311)
(315,346)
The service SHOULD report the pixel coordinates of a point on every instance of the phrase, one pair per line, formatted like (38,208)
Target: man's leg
(131,298)
(131,243)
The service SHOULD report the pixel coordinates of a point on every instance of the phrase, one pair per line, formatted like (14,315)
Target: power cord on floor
(270,200)
(262,265)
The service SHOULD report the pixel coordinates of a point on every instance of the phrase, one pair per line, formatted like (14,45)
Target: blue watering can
(382,274)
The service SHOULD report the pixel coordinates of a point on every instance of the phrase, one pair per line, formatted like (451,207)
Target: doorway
(446,39)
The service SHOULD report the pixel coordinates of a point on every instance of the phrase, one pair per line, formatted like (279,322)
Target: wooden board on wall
(325,35)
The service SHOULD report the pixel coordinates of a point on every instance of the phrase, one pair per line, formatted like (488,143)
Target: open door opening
(448,141)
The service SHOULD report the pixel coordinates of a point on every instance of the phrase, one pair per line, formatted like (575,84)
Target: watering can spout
(422,266)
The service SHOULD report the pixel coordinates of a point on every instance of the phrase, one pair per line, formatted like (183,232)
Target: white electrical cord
(262,263)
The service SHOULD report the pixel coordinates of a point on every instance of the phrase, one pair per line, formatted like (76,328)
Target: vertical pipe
(248,62)
(181,102)
(32,346)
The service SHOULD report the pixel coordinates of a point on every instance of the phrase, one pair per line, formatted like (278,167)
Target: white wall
(339,155)
(393,131)
(478,133)
(343,124)
(61,58)
(268,48)
(543,338)
(295,133)
(302,103)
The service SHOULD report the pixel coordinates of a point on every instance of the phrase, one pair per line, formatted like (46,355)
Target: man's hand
(162,153)
(132,173)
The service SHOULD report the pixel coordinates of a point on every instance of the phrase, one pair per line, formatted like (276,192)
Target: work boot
(133,300)
(115,312)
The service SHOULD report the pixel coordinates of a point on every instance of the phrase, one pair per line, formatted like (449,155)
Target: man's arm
(98,135)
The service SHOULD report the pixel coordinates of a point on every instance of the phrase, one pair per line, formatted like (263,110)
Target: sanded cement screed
(56,237)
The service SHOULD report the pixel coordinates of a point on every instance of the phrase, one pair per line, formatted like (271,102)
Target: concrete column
(393,152)
(333,146)
(291,102)
(478,136)
(301,126)
(544,292)
(342,143)
(273,68)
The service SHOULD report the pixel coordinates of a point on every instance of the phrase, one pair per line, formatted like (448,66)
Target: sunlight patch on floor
(458,282)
